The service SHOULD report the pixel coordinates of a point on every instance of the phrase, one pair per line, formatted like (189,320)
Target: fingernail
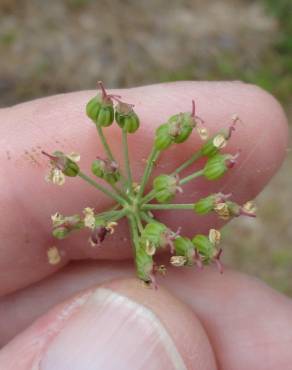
(112,331)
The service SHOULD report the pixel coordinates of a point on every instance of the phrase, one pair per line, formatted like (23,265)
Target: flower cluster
(149,235)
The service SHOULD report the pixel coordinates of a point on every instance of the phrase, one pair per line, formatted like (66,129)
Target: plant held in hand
(132,202)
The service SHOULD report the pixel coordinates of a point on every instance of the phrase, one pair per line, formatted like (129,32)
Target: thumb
(121,325)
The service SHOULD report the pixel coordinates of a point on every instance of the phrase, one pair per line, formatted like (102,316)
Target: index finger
(59,122)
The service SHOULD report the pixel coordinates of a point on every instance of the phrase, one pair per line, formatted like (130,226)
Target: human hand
(205,320)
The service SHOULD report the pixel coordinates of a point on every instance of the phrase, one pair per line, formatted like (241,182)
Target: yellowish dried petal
(222,210)
(54,256)
(110,226)
(89,218)
(150,248)
(162,269)
(214,236)
(57,219)
(75,157)
(219,141)
(178,261)
(56,176)
(203,133)
(249,207)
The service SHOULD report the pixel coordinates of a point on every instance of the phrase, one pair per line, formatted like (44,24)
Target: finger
(121,325)
(248,323)
(60,123)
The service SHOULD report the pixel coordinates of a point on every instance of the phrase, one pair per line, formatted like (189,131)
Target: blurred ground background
(55,46)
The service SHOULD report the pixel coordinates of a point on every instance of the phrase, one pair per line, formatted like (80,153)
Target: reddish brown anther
(170,237)
(124,108)
(178,188)
(52,157)
(242,212)
(217,261)
(193,114)
(109,165)
(98,235)
(231,162)
(231,128)
(107,98)
(198,260)
(59,162)
(153,281)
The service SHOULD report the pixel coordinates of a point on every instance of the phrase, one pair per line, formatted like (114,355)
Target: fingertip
(121,325)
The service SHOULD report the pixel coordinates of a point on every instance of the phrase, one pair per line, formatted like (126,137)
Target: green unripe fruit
(208,149)
(98,167)
(165,187)
(105,116)
(105,169)
(163,139)
(66,165)
(112,178)
(128,122)
(144,265)
(204,247)
(213,145)
(181,126)
(127,118)
(205,205)
(216,167)
(185,247)
(61,232)
(93,107)
(154,233)
(71,169)
(101,111)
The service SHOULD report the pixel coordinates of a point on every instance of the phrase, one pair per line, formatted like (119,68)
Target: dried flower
(89,217)
(110,226)
(57,219)
(56,176)
(214,236)
(54,256)
(203,133)
(249,209)
(178,261)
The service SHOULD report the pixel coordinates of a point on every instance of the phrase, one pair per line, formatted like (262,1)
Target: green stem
(150,162)
(120,214)
(108,152)
(134,232)
(127,161)
(148,197)
(187,163)
(166,206)
(104,143)
(108,214)
(139,223)
(191,177)
(146,218)
(104,190)
(120,192)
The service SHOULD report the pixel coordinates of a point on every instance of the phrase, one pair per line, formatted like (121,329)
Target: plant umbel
(135,204)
